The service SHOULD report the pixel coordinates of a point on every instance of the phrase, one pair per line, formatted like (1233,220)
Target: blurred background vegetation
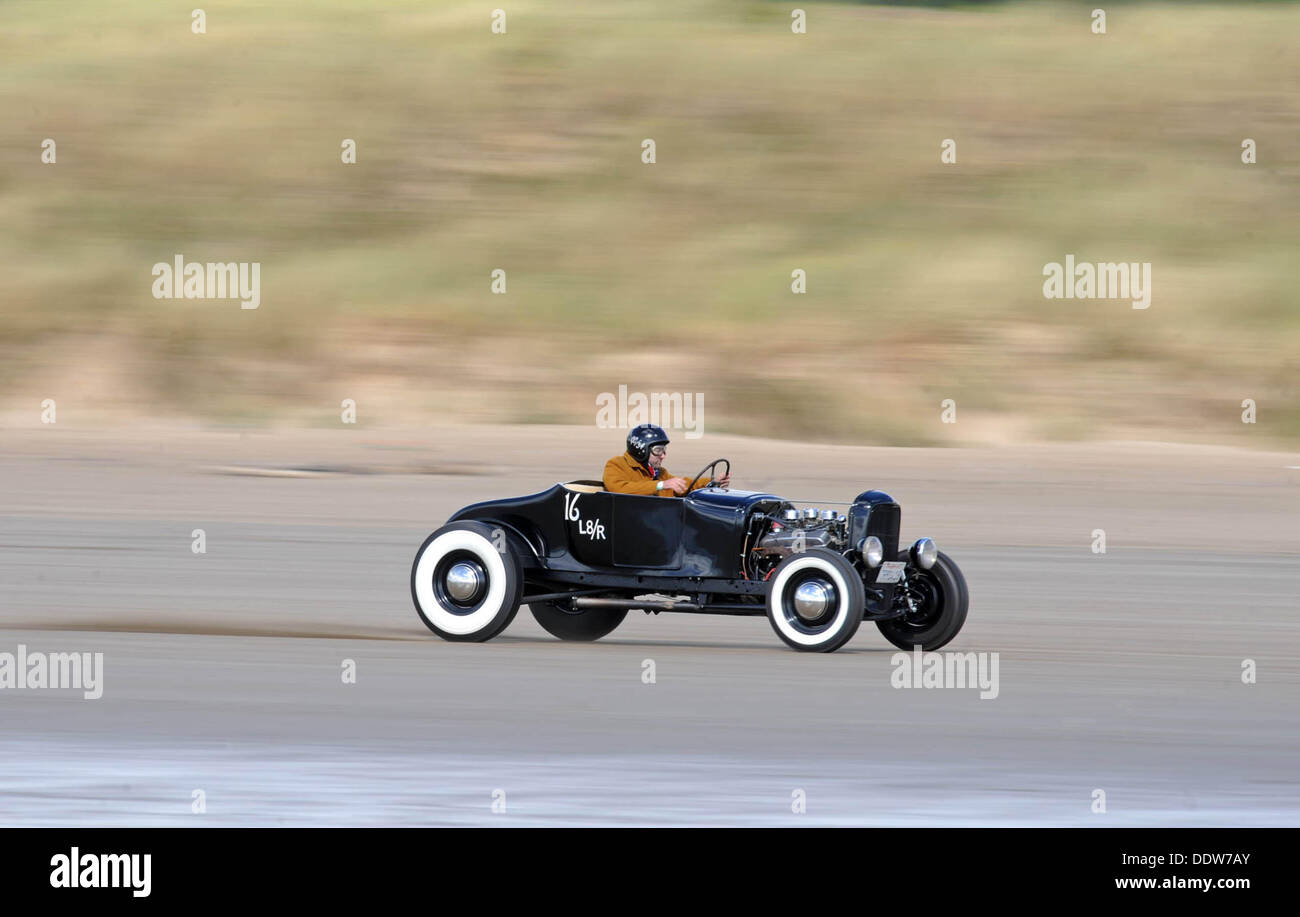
(775,151)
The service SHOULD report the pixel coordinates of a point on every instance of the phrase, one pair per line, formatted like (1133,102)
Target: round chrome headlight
(872,551)
(924,553)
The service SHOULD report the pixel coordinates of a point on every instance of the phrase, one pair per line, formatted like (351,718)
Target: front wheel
(815,601)
(940,600)
(463,587)
(584,626)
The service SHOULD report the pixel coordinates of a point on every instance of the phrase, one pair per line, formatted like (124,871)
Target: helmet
(642,438)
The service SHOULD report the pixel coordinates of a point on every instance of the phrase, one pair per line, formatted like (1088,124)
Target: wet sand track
(1119,672)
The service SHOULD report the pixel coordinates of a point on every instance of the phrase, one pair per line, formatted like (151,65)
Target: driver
(641,469)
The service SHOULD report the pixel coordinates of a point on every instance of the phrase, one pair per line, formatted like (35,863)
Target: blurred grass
(775,151)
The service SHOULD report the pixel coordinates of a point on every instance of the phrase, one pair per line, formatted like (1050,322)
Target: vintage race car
(581,557)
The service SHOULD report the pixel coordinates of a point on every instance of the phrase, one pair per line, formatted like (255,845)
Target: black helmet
(642,438)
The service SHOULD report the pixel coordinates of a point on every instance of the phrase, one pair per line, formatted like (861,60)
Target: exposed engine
(794,531)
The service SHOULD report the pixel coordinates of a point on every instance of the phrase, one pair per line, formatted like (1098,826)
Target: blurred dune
(774,152)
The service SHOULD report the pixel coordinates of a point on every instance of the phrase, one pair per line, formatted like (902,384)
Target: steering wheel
(708,468)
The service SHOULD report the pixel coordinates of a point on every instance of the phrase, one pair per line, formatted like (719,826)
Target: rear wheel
(464,589)
(815,601)
(940,600)
(590,624)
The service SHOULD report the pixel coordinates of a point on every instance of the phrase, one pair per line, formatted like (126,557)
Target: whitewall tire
(815,601)
(463,587)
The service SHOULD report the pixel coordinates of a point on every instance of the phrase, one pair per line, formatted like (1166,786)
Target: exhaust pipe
(648,605)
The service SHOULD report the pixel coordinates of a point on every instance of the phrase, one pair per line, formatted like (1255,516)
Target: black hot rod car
(581,557)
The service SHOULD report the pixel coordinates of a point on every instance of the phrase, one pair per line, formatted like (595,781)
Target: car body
(581,557)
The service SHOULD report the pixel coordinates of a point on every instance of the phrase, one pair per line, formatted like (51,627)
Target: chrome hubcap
(464,581)
(812,599)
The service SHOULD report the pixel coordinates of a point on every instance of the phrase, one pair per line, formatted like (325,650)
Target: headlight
(872,551)
(924,553)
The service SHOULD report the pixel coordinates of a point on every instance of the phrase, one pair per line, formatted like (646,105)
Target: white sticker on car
(891,572)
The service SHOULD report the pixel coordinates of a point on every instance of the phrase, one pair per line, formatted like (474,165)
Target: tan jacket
(625,475)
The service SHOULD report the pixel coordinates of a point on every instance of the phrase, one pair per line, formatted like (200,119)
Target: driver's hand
(724,481)
(677,485)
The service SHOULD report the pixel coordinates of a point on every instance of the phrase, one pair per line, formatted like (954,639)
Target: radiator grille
(883,522)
